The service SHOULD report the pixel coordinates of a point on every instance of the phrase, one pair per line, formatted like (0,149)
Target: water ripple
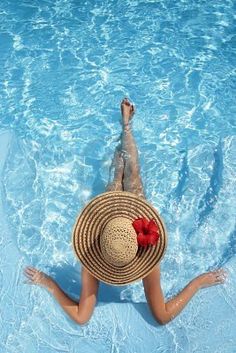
(65,67)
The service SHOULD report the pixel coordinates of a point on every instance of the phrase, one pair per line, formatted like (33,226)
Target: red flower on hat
(148,232)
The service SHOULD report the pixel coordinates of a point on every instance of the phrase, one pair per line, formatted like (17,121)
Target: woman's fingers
(35,276)
(220,270)
(213,277)
(220,275)
(28,275)
(30,270)
(27,270)
(32,273)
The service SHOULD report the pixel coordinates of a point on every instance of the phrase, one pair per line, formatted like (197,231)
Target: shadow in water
(145,312)
(110,294)
(99,184)
(69,280)
(142,309)
(209,199)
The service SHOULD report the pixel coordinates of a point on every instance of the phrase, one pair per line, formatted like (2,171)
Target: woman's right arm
(165,312)
(80,311)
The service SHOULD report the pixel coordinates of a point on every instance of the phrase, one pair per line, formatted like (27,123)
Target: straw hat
(105,241)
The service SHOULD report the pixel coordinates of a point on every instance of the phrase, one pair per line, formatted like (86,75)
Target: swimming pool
(65,66)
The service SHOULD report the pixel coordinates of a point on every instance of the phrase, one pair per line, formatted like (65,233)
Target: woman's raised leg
(118,165)
(132,181)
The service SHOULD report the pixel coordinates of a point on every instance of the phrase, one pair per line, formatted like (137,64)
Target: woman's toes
(132,109)
(127,110)
(126,101)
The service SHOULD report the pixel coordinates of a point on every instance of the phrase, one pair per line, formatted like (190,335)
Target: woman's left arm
(165,312)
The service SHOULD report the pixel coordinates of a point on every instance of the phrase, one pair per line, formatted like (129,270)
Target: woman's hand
(37,277)
(212,278)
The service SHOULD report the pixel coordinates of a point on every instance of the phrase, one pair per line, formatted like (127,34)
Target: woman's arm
(79,312)
(165,312)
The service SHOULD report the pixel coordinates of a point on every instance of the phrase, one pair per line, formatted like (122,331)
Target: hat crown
(89,241)
(118,241)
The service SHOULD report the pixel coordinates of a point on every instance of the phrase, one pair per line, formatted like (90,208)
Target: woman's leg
(125,160)
(132,181)
(118,165)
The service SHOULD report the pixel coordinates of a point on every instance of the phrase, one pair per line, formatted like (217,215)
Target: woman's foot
(127,111)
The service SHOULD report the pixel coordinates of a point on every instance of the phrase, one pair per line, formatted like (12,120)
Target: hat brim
(91,222)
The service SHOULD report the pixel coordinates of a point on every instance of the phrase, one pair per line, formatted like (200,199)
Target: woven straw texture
(91,223)
(118,241)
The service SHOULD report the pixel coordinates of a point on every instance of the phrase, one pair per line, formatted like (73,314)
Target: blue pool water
(65,66)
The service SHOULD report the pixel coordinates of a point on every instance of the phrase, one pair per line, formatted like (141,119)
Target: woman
(126,178)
